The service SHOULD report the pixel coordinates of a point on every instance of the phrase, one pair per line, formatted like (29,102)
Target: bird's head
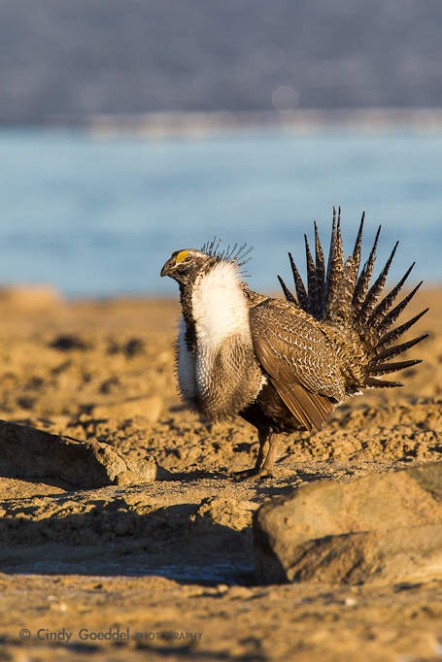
(184,265)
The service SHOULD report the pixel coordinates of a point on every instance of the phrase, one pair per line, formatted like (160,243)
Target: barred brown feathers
(350,303)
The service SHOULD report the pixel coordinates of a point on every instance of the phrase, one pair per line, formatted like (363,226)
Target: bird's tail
(341,295)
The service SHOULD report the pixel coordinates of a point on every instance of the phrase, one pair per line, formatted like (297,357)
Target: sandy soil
(167,567)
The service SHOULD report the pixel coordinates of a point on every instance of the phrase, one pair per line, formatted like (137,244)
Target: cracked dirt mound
(174,558)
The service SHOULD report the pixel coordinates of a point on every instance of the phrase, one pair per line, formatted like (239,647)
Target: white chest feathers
(219,308)
(220,311)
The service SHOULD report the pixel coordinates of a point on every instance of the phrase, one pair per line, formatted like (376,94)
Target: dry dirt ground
(167,568)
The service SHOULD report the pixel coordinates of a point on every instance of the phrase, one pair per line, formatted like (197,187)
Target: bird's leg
(266,468)
(264,435)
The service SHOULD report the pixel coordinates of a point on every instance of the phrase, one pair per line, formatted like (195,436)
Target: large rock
(32,454)
(381,528)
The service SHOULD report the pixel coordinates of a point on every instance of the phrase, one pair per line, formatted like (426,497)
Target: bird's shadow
(195,474)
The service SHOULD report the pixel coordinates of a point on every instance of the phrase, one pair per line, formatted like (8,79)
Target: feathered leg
(266,455)
(264,436)
(266,469)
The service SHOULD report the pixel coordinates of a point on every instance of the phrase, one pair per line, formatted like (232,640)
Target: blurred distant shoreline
(201,124)
(97,210)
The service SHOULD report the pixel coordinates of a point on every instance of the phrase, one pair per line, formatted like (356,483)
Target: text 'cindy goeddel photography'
(119,634)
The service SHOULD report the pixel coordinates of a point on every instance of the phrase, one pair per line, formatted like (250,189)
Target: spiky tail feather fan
(341,296)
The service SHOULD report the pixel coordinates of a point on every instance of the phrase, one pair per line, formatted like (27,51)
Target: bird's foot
(258,473)
(246,474)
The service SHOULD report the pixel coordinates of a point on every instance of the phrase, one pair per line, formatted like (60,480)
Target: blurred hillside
(66,61)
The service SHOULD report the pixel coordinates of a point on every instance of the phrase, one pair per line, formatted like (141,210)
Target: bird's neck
(189,331)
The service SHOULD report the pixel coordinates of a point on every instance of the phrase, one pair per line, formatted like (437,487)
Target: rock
(28,453)
(150,408)
(231,513)
(382,528)
(30,297)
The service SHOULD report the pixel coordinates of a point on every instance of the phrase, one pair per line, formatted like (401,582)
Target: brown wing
(299,360)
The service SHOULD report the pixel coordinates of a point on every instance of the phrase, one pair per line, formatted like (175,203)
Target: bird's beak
(168,267)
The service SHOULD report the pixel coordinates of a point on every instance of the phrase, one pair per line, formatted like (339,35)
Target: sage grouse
(285,365)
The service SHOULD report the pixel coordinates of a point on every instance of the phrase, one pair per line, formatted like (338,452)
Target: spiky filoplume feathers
(284,365)
(345,300)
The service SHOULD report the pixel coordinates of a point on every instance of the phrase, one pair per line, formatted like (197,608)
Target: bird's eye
(182,257)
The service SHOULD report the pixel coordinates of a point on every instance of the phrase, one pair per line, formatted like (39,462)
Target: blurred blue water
(99,217)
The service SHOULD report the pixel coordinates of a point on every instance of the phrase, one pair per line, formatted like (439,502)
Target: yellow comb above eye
(181,256)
